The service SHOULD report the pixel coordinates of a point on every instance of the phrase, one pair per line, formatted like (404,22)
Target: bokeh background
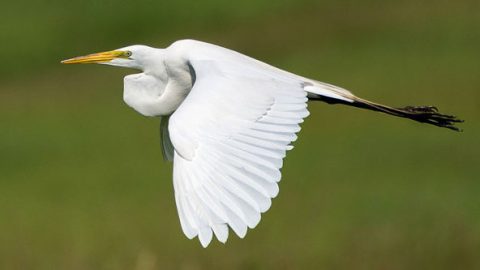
(83,184)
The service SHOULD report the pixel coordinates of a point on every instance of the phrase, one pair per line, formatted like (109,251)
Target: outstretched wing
(230,135)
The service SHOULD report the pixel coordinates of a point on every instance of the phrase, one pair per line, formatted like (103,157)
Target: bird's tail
(423,114)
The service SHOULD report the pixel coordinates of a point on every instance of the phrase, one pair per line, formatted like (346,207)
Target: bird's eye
(128,53)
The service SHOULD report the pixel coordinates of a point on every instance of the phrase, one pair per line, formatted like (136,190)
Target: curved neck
(154,62)
(161,88)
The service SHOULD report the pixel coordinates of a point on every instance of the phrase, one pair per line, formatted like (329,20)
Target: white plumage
(230,135)
(228,122)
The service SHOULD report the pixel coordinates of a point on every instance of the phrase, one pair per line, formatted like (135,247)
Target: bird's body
(228,121)
(163,85)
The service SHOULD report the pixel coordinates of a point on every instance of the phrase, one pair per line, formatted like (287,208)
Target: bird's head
(135,56)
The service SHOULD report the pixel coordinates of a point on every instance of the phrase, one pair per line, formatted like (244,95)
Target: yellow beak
(101,57)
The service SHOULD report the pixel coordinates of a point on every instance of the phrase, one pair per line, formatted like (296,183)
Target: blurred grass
(83,184)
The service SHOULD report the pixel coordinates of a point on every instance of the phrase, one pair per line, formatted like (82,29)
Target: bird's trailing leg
(423,114)
(430,115)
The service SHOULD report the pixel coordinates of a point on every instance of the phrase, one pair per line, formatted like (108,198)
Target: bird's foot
(431,115)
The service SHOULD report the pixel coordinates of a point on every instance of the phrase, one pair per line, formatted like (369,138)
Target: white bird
(227,123)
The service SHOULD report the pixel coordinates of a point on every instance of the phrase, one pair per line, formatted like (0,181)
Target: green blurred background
(83,184)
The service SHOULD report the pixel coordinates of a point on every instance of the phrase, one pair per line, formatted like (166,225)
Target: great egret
(227,122)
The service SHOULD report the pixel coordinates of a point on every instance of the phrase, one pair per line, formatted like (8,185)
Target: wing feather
(230,136)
